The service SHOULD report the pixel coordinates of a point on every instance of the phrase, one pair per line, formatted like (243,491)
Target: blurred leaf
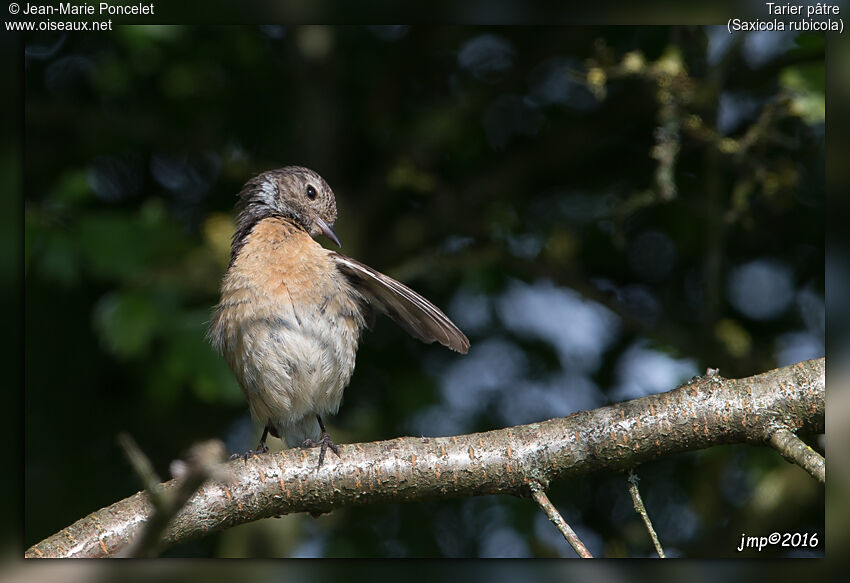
(71,189)
(180,81)
(60,262)
(808,41)
(126,323)
(562,245)
(807,85)
(112,77)
(406,175)
(671,61)
(734,337)
(49,251)
(218,230)
(190,362)
(116,246)
(150,32)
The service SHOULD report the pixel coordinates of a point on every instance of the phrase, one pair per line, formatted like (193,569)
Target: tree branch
(539,495)
(797,452)
(202,463)
(637,501)
(705,412)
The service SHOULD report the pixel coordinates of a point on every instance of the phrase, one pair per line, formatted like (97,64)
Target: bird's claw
(324,443)
(263,448)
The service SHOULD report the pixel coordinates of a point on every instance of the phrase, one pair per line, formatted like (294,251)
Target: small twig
(797,452)
(539,495)
(142,466)
(202,463)
(641,509)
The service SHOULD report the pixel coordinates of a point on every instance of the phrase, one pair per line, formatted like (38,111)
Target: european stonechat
(291,311)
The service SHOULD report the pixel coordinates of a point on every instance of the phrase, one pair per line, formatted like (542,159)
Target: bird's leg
(324,442)
(261,447)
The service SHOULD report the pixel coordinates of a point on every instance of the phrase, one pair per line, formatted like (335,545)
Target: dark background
(605,211)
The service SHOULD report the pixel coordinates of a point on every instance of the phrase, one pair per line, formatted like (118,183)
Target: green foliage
(807,86)
(126,322)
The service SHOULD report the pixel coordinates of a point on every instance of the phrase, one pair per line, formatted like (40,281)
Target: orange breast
(288,324)
(283,261)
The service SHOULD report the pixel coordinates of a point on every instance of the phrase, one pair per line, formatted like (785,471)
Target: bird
(291,311)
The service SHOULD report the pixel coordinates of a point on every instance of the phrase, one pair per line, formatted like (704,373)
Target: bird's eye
(311,192)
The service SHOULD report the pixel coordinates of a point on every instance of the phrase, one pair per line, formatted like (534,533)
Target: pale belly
(293,371)
(291,364)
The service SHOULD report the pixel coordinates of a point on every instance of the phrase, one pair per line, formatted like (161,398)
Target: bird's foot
(262,448)
(325,443)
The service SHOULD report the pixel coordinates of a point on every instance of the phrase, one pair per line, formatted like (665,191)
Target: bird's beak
(328,231)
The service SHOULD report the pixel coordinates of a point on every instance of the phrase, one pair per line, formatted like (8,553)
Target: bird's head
(294,192)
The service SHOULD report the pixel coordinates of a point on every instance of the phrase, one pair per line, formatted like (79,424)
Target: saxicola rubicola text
(291,311)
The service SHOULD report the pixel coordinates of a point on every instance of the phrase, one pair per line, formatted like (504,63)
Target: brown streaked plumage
(291,311)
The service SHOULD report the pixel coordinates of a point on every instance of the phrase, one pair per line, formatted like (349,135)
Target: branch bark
(706,412)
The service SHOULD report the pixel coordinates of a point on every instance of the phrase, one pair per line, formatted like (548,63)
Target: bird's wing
(419,317)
